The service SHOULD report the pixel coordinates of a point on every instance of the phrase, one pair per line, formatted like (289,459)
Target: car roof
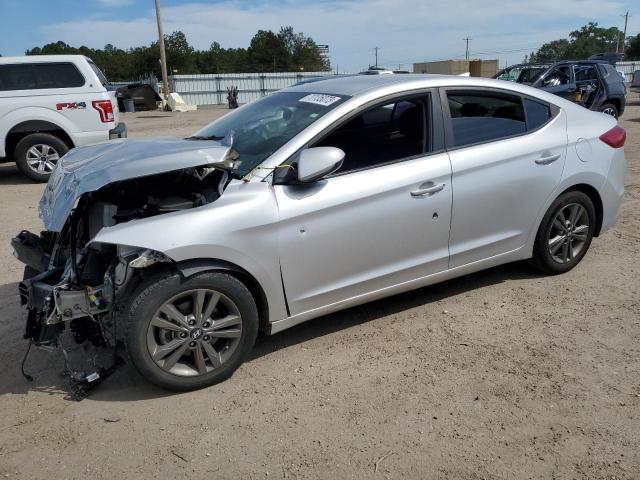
(42,59)
(360,84)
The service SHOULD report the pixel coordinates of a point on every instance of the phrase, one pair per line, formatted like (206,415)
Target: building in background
(477,68)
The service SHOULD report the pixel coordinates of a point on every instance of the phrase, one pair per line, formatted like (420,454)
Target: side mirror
(315,163)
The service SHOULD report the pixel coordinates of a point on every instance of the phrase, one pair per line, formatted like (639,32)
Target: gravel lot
(500,374)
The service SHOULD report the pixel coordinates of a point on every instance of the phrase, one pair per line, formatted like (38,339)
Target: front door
(381,220)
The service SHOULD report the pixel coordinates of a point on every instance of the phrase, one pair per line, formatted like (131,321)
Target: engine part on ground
(232,97)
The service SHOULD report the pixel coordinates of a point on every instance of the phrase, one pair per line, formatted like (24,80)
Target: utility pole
(624,35)
(163,57)
(376,50)
(466,54)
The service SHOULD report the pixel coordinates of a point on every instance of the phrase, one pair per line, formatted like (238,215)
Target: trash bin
(128,105)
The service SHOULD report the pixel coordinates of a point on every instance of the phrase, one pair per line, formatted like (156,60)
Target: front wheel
(565,233)
(188,334)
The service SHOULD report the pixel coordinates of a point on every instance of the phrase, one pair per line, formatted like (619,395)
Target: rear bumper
(613,191)
(119,132)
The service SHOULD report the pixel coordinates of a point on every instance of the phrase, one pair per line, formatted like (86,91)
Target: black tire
(609,109)
(153,293)
(543,259)
(33,140)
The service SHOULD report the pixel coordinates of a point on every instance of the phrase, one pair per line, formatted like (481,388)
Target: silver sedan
(311,200)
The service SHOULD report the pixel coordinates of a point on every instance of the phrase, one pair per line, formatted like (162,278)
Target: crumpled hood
(87,169)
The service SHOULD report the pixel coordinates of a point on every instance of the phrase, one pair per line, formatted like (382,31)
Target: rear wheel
(188,334)
(38,154)
(565,233)
(609,109)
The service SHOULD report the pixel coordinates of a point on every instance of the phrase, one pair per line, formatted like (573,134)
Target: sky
(405,31)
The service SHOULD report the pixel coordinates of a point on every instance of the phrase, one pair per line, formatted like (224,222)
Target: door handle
(547,159)
(427,192)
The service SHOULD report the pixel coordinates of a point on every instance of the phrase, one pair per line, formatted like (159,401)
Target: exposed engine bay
(74,285)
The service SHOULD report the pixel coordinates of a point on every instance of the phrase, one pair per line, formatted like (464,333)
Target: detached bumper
(119,132)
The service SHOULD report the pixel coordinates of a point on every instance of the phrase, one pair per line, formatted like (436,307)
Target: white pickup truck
(50,104)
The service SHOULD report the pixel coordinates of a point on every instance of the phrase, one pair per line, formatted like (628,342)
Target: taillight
(615,137)
(105,109)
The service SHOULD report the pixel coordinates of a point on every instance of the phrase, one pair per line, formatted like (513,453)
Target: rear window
(98,72)
(37,76)
(478,117)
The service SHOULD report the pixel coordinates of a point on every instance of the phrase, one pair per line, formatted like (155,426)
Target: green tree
(633,48)
(588,40)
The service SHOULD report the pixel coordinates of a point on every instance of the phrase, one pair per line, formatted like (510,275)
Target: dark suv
(594,84)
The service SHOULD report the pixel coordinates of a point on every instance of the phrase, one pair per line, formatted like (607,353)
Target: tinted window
(537,113)
(381,134)
(35,76)
(481,117)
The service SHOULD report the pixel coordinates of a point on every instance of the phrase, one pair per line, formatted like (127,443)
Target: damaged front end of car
(75,284)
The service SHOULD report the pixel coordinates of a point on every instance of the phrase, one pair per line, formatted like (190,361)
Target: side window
(557,76)
(537,113)
(381,134)
(35,76)
(585,73)
(478,117)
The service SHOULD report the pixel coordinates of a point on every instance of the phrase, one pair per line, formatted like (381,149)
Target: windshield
(262,127)
(522,74)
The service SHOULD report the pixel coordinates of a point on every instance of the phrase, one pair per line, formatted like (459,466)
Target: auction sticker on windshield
(320,99)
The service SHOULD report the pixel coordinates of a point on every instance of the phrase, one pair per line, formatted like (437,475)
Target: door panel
(500,187)
(355,233)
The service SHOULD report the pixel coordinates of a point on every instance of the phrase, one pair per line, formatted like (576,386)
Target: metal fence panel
(628,68)
(211,89)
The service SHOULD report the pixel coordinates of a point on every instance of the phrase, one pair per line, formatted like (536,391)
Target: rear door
(507,156)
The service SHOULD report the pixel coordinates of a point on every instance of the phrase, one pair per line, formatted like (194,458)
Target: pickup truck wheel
(609,109)
(38,154)
(185,334)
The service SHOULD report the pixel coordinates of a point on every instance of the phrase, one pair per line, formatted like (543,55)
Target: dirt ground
(502,374)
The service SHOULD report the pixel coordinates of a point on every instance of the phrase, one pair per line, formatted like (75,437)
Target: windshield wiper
(204,137)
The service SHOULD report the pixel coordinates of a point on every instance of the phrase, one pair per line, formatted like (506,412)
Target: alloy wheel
(42,158)
(568,233)
(194,332)
(609,111)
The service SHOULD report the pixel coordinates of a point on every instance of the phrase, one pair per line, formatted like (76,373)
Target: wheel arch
(191,267)
(595,198)
(22,129)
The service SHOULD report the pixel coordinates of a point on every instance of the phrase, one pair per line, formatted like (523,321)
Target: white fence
(628,68)
(211,89)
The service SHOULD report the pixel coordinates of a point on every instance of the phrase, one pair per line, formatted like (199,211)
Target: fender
(237,231)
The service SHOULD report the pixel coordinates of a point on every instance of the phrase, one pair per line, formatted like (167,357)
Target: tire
(609,109)
(49,148)
(151,346)
(558,250)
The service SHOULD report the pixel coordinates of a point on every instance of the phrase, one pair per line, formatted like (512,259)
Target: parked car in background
(50,104)
(311,200)
(594,84)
